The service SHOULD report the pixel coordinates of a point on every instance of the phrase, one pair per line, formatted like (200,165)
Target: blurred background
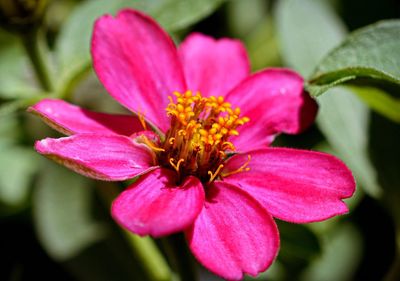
(55,224)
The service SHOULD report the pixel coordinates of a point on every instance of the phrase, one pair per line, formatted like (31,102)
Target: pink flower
(204,164)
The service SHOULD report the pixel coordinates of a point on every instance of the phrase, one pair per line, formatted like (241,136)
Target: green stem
(150,258)
(12,106)
(144,248)
(71,83)
(33,44)
(394,272)
(180,258)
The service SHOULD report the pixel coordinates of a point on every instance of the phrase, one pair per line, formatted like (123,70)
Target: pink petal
(233,234)
(137,63)
(275,102)
(211,66)
(70,119)
(294,185)
(155,205)
(103,157)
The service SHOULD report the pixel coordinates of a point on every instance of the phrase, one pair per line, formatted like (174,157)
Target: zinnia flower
(199,142)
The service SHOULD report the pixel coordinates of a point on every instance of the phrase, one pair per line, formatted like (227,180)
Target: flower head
(199,142)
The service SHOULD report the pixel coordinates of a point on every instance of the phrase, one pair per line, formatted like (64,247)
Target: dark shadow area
(358,13)
(23,256)
(379,239)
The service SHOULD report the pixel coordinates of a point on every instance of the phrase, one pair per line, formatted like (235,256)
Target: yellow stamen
(233,133)
(151,145)
(228,145)
(242,168)
(176,167)
(214,175)
(142,120)
(199,134)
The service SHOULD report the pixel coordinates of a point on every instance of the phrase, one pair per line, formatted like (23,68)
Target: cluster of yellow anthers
(198,138)
(200,115)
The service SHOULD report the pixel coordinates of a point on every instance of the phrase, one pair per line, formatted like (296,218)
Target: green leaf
(73,44)
(175,15)
(379,101)
(263,38)
(9,130)
(244,16)
(308,29)
(18,165)
(62,214)
(344,120)
(14,69)
(299,245)
(371,52)
(342,253)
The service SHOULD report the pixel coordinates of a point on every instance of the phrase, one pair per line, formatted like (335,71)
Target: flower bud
(20,14)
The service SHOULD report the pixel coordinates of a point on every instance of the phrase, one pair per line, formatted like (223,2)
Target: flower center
(197,142)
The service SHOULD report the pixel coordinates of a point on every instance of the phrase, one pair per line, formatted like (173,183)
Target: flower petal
(211,66)
(275,102)
(103,157)
(294,185)
(155,205)
(71,119)
(233,234)
(137,63)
